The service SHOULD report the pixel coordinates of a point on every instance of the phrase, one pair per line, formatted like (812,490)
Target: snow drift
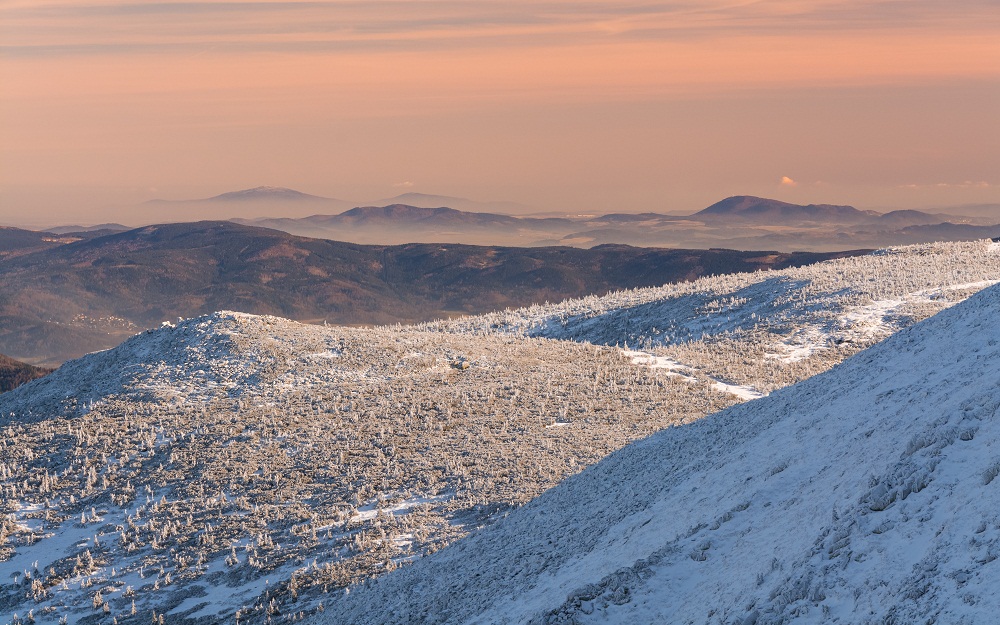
(867,494)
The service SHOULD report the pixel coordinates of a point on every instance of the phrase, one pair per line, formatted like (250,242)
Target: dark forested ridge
(17,241)
(87,295)
(14,373)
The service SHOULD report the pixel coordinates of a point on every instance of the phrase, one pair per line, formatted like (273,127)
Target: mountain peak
(743,203)
(767,210)
(397,211)
(427,200)
(413,196)
(265,193)
(442,217)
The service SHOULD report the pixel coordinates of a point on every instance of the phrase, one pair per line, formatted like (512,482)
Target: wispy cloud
(965,184)
(72,27)
(455,51)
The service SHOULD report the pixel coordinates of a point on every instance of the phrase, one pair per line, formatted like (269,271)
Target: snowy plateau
(239,468)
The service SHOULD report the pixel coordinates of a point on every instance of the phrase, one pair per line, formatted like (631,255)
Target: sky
(560,105)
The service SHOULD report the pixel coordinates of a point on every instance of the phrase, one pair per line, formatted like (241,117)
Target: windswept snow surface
(860,299)
(867,494)
(674,368)
(240,466)
(194,360)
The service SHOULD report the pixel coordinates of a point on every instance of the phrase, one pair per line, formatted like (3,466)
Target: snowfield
(804,308)
(867,494)
(239,465)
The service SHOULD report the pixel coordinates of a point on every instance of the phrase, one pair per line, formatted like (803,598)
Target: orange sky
(583,106)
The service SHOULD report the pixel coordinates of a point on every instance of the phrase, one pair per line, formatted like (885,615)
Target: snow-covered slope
(765,330)
(234,464)
(844,300)
(866,494)
(197,359)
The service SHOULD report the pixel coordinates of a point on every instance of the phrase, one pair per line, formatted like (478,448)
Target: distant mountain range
(257,194)
(86,295)
(252,203)
(276,201)
(988,212)
(99,228)
(763,210)
(18,242)
(404,223)
(268,194)
(424,200)
(740,222)
(743,222)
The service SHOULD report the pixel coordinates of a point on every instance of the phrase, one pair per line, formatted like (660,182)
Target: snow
(52,545)
(192,361)
(863,495)
(745,393)
(674,368)
(323,355)
(371,510)
(873,319)
(671,367)
(859,299)
(214,600)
